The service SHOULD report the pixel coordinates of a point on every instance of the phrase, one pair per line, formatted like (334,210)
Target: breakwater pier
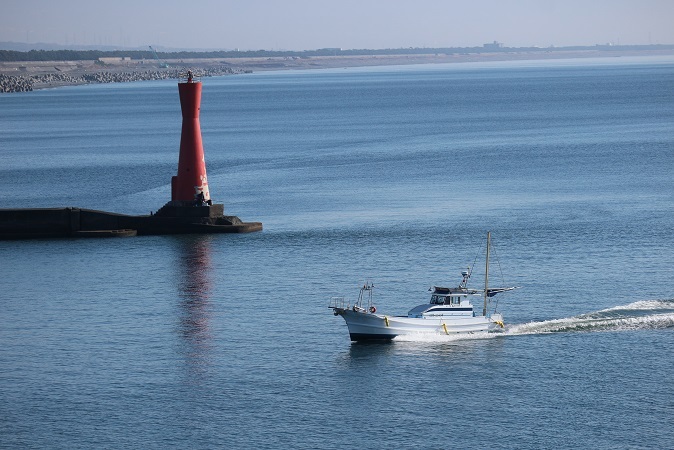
(78,222)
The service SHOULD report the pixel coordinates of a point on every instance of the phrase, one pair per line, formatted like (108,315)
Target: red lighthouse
(191,209)
(190,186)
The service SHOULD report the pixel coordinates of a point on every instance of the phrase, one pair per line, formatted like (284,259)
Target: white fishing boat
(449,311)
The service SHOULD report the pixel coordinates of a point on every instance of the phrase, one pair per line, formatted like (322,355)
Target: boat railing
(339,302)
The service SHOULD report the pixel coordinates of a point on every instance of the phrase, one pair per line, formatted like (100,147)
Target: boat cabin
(446,299)
(450,296)
(445,302)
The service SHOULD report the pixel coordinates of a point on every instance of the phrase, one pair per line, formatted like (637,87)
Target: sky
(347,24)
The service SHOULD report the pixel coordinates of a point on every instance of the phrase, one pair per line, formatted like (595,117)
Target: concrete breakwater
(25,83)
(78,222)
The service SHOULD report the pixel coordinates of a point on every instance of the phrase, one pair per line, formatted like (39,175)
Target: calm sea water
(391,175)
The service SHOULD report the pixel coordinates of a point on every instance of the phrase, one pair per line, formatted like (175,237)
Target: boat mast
(486,275)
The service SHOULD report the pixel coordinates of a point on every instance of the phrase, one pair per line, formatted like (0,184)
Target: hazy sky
(307,24)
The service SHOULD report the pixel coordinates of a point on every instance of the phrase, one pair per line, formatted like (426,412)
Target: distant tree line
(91,55)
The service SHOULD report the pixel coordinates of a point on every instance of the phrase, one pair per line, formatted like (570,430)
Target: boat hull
(365,326)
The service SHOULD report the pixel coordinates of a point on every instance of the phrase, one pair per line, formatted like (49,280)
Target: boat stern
(497,321)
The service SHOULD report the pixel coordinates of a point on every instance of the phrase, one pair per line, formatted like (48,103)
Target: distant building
(493,46)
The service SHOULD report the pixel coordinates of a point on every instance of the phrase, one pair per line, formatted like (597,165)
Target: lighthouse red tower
(191,209)
(190,186)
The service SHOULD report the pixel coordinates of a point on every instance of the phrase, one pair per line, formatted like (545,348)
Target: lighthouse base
(77,222)
(178,209)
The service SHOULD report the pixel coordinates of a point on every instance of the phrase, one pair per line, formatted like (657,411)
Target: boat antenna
(486,275)
(498,263)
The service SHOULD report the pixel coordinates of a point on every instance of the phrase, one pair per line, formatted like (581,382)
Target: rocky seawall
(25,83)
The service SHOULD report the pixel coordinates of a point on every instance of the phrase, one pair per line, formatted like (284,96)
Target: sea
(388,175)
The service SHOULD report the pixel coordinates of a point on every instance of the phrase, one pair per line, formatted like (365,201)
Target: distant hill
(25,47)
(11,55)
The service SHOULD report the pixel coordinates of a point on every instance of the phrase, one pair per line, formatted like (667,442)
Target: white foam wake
(644,314)
(643,305)
(588,324)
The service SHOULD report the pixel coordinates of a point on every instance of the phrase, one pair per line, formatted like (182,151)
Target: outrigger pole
(486,275)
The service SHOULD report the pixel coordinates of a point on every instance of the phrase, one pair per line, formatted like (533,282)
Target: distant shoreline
(33,75)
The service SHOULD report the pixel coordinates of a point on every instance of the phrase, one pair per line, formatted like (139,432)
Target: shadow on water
(452,346)
(195,307)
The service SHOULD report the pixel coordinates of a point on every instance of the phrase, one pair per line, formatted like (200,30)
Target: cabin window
(437,299)
(456,300)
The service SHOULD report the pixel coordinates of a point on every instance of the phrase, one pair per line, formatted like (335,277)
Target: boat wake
(640,315)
